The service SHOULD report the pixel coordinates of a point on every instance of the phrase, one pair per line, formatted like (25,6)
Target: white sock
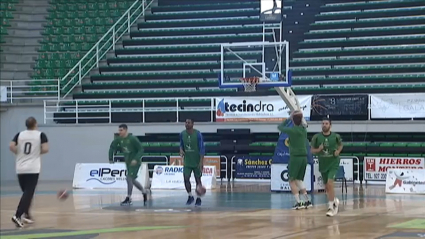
(190,194)
(297,197)
(331,204)
(306,197)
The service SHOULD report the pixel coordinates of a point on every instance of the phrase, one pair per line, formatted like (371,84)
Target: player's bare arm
(13,148)
(44,148)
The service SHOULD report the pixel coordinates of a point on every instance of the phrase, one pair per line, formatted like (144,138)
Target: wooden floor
(231,211)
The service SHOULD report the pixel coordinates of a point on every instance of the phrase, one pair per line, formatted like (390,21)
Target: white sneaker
(17,221)
(330,212)
(336,206)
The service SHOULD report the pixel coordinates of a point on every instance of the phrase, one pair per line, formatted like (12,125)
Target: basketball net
(250,83)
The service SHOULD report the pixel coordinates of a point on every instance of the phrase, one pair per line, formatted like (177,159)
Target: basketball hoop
(250,83)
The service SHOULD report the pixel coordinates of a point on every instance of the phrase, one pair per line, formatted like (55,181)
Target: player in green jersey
(192,151)
(327,145)
(297,157)
(133,151)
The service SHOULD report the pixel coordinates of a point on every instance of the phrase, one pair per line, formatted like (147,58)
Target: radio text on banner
(104,175)
(280,178)
(252,167)
(400,106)
(375,168)
(171,177)
(208,161)
(271,108)
(406,181)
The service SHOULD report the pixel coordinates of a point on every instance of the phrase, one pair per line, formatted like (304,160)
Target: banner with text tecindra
(270,108)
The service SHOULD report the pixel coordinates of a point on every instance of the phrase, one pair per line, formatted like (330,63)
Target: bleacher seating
(7,7)
(370,46)
(355,47)
(73,28)
(351,47)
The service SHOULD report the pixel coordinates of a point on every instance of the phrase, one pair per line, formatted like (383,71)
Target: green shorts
(187,171)
(296,168)
(133,170)
(329,174)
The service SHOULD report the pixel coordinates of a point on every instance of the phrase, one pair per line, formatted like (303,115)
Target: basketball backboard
(267,60)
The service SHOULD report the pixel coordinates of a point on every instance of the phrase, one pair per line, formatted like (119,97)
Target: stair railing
(91,59)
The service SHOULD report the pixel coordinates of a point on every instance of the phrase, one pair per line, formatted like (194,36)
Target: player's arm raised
(315,150)
(201,146)
(13,144)
(283,127)
(44,144)
(139,148)
(340,145)
(113,150)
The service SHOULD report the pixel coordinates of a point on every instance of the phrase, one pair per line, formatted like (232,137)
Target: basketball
(62,195)
(200,190)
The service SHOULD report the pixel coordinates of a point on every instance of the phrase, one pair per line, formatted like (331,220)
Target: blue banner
(281,153)
(254,167)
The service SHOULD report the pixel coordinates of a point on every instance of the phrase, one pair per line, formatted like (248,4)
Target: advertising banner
(253,167)
(171,177)
(397,106)
(375,168)
(280,178)
(406,181)
(208,161)
(269,108)
(106,176)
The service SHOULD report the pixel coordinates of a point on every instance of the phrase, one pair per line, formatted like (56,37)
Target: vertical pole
(212,109)
(79,73)
(97,55)
(76,112)
(287,60)
(59,89)
(221,66)
(110,111)
(369,111)
(143,110)
(11,92)
(143,7)
(128,21)
(264,39)
(113,38)
(177,109)
(44,110)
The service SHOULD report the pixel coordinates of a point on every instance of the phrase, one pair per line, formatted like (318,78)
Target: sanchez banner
(105,175)
(208,160)
(271,108)
(410,181)
(171,177)
(253,167)
(401,106)
(375,168)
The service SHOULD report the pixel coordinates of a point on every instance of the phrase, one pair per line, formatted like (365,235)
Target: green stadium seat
(72,29)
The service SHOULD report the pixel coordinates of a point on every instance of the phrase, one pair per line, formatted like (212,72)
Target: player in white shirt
(28,146)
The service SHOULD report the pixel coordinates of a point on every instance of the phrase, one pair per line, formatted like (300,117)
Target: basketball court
(239,210)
